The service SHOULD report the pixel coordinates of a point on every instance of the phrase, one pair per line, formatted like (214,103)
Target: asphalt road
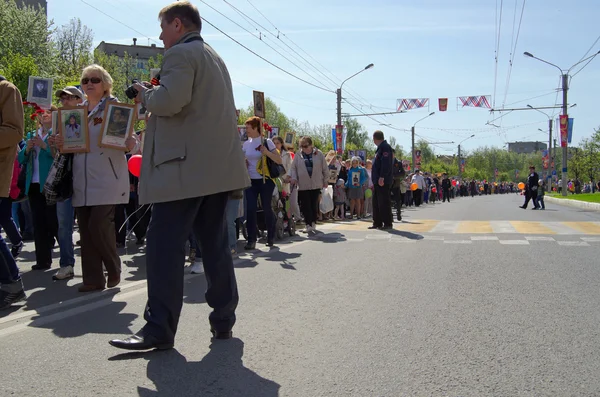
(472,298)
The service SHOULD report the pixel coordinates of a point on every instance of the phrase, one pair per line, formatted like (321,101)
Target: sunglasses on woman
(94,80)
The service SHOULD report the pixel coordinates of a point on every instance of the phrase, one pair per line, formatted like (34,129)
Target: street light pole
(459,170)
(565,87)
(412,134)
(339,93)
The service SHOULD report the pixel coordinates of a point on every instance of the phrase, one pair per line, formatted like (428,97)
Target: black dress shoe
(221,335)
(387,227)
(270,244)
(374,227)
(41,266)
(141,342)
(250,246)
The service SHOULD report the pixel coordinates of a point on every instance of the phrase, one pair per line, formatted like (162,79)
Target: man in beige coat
(11,133)
(192,160)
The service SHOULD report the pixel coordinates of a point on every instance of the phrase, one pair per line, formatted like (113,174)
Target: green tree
(73,43)
(25,31)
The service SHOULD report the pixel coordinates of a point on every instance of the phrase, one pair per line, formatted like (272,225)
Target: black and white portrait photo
(40,91)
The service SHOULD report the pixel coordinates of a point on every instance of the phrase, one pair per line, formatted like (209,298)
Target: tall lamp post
(565,87)
(412,133)
(461,142)
(339,93)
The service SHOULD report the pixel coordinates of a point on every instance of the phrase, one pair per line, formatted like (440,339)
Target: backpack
(398,169)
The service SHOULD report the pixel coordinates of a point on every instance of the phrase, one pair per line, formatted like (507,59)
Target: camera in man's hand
(132,92)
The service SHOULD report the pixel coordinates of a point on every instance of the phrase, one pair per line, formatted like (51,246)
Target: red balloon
(135,165)
(453,183)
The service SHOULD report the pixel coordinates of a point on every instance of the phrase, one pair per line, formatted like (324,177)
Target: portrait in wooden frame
(289,139)
(73,127)
(117,125)
(259,104)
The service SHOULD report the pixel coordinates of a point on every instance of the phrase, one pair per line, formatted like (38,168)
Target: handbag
(59,183)
(274,170)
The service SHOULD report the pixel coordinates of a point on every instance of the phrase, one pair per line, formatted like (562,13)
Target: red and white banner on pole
(480,101)
(443,104)
(415,103)
(564,130)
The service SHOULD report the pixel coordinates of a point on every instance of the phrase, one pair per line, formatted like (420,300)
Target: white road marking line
(434,238)
(484,238)
(560,228)
(573,243)
(402,240)
(378,236)
(109,298)
(445,227)
(458,242)
(502,227)
(538,238)
(591,239)
(514,242)
(355,240)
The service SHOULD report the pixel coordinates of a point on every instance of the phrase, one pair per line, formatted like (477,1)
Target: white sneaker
(64,273)
(197,268)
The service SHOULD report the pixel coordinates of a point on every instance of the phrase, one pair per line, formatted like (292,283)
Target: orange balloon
(521,185)
(414,187)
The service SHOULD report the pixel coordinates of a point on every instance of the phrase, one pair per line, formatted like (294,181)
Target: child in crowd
(541,194)
(339,199)
(357,176)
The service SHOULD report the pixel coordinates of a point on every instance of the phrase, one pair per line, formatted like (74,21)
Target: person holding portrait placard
(68,97)
(100,182)
(38,158)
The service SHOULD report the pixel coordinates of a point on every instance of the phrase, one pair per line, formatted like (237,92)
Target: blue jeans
(265,191)
(7,222)
(65,214)
(232,214)
(25,225)
(9,272)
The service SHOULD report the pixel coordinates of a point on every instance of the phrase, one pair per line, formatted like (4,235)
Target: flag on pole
(481,101)
(415,103)
(570,129)
(564,130)
(443,104)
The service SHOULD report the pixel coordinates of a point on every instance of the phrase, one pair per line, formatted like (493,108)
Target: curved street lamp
(565,87)
(339,93)
(412,133)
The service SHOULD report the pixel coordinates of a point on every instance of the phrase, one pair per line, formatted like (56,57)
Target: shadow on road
(104,320)
(220,373)
(273,255)
(408,235)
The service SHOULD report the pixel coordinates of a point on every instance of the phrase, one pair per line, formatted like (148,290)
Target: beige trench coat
(11,132)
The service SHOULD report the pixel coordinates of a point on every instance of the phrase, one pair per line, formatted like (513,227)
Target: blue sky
(421,49)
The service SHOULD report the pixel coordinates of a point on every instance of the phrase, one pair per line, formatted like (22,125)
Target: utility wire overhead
(513,47)
(263,40)
(279,42)
(264,59)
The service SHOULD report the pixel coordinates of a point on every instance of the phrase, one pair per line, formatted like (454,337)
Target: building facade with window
(140,53)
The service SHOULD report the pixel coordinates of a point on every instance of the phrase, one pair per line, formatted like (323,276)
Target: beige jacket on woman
(320,172)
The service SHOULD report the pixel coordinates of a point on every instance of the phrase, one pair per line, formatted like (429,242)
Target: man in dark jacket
(382,177)
(446,185)
(533,181)
(398,174)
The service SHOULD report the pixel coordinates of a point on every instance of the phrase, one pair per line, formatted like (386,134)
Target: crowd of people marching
(202,198)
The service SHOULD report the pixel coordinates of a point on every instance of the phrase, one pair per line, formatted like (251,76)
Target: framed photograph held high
(117,125)
(289,138)
(40,91)
(274,132)
(73,126)
(259,104)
